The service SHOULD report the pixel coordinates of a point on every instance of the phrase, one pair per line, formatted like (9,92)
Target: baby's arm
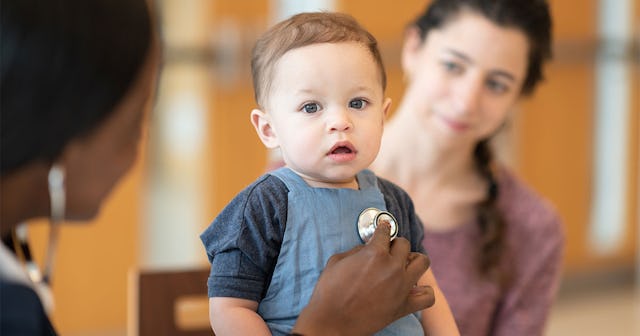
(232,316)
(437,320)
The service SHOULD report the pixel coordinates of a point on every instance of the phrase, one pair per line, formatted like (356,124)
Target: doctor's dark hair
(533,19)
(302,30)
(64,65)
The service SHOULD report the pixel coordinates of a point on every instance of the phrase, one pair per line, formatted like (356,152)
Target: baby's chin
(334,177)
(351,183)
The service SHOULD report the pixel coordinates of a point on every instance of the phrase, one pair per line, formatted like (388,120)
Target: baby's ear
(261,121)
(386,106)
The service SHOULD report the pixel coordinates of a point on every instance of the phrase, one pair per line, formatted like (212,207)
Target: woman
(496,246)
(75,79)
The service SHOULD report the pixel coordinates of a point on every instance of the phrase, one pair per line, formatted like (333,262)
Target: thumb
(381,236)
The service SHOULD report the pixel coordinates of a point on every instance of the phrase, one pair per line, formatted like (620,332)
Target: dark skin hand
(363,290)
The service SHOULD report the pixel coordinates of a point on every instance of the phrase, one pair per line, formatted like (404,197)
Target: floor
(610,311)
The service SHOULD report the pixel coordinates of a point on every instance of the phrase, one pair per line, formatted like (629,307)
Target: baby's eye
(357,104)
(311,107)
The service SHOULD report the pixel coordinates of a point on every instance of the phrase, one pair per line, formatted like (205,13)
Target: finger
(417,264)
(420,297)
(381,236)
(400,249)
(339,256)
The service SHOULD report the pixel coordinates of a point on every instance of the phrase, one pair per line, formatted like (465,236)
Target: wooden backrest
(156,297)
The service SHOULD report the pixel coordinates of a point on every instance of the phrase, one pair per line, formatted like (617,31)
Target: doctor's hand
(366,288)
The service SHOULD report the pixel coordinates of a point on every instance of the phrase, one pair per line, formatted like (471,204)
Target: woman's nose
(468,96)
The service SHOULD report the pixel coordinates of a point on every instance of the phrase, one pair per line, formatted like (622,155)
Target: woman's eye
(497,86)
(311,108)
(357,104)
(452,67)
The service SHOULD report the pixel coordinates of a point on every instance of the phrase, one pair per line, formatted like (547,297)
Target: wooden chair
(169,303)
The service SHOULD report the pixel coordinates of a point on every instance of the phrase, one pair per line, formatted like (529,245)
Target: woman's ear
(261,121)
(410,48)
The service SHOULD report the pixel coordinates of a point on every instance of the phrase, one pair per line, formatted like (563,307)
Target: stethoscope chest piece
(369,219)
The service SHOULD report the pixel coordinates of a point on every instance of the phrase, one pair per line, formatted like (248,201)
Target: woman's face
(94,163)
(464,77)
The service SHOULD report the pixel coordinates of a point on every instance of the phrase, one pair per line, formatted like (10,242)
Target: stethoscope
(40,279)
(21,246)
(56,180)
(369,219)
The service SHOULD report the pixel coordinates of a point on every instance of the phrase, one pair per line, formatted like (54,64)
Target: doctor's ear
(261,121)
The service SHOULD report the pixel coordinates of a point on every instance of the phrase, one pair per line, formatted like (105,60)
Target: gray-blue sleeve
(243,242)
(401,206)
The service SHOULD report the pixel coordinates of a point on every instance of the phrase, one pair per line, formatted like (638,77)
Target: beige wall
(556,133)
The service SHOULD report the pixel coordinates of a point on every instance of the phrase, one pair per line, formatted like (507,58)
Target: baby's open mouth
(341,150)
(342,147)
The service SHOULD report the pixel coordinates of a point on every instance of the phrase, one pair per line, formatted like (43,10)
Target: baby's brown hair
(302,30)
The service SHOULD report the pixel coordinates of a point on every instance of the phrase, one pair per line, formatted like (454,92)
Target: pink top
(535,238)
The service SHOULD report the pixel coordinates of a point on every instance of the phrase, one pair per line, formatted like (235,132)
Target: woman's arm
(232,316)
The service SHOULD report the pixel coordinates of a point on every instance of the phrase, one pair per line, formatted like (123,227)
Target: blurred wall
(557,134)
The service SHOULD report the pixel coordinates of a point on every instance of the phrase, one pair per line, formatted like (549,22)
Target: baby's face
(327,109)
